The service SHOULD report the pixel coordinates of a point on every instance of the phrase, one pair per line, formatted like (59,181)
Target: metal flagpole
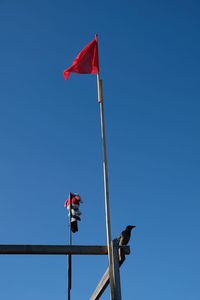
(70,242)
(107,208)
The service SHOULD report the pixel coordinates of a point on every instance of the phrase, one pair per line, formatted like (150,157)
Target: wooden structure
(105,280)
(77,250)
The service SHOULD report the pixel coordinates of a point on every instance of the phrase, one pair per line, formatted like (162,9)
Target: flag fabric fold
(86,62)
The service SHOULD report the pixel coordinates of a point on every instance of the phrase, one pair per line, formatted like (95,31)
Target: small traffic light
(75,212)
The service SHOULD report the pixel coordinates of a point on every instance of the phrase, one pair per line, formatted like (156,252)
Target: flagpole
(107,208)
(70,242)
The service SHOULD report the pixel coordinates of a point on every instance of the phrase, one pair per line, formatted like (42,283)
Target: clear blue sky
(50,144)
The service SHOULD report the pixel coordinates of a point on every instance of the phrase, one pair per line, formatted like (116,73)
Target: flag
(75,212)
(86,62)
(75,198)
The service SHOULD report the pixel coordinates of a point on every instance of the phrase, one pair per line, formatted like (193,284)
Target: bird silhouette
(125,235)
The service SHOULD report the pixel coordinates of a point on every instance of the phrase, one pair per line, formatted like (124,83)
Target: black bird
(125,235)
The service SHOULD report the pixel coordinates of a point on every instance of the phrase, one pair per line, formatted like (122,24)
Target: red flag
(86,62)
(76,199)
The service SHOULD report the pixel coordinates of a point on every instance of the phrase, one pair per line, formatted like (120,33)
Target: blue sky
(50,144)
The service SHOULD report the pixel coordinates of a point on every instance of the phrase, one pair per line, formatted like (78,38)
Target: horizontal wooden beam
(56,250)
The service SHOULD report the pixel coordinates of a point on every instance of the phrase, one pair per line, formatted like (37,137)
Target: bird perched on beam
(125,235)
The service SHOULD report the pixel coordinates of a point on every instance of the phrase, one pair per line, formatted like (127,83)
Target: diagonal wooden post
(118,260)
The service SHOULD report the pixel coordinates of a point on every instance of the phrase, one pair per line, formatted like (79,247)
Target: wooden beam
(56,250)
(105,280)
(102,285)
(116,272)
